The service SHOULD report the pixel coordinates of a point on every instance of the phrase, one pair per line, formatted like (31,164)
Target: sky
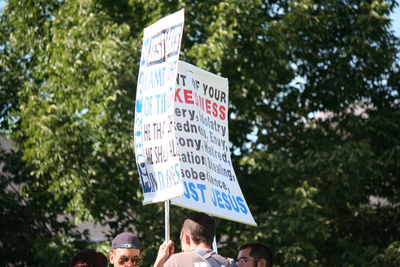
(395,18)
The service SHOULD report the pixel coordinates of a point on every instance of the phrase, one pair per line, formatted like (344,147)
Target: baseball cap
(126,240)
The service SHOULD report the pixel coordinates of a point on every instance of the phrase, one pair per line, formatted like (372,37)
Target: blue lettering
(234,204)
(141,78)
(177,171)
(219,199)
(241,204)
(202,187)
(227,204)
(191,191)
(160,178)
(186,193)
(147,107)
(157,77)
(192,188)
(213,198)
(148,181)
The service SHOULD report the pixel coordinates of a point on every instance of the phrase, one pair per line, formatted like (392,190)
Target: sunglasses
(135,260)
(243,260)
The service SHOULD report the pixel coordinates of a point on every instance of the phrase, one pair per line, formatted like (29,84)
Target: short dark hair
(89,258)
(201,228)
(259,251)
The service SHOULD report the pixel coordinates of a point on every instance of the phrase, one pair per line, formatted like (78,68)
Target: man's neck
(200,246)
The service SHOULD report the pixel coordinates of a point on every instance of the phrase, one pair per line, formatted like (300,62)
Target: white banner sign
(201,127)
(181,129)
(156,152)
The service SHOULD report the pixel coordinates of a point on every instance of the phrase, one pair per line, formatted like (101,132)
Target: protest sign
(201,128)
(156,152)
(181,129)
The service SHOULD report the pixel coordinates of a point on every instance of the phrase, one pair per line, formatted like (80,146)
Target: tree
(344,57)
(33,232)
(314,117)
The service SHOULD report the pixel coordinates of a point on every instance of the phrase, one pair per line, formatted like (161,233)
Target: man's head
(254,255)
(125,250)
(85,258)
(89,258)
(197,231)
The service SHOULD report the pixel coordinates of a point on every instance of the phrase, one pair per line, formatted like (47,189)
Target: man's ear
(186,239)
(262,263)
(111,256)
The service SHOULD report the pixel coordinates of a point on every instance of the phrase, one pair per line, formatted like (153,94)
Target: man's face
(125,257)
(245,260)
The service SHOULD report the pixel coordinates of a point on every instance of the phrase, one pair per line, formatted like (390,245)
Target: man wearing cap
(197,234)
(125,251)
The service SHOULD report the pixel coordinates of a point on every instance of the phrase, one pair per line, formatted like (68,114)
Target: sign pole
(215,247)
(167,225)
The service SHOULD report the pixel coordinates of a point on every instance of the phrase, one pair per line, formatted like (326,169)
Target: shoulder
(215,259)
(219,260)
(183,259)
(185,255)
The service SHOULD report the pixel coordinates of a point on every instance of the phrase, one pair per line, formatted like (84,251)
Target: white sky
(396,20)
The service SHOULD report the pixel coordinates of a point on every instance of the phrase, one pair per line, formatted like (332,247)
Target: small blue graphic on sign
(138,106)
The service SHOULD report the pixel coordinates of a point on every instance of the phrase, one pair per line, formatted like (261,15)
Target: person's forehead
(244,253)
(129,252)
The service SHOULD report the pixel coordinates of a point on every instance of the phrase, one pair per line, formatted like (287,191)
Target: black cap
(126,240)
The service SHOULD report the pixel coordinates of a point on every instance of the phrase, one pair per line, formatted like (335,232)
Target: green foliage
(390,257)
(32,232)
(314,124)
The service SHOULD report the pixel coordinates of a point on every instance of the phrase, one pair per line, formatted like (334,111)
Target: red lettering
(215,109)
(177,96)
(222,112)
(208,106)
(188,96)
(201,103)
